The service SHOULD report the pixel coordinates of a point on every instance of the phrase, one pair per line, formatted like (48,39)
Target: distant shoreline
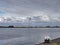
(29,26)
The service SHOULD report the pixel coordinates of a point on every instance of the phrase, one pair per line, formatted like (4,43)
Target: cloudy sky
(47,8)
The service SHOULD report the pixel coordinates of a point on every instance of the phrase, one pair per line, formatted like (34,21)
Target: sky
(49,8)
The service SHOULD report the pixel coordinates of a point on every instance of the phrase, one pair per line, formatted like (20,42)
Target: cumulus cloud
(29,19)
(44,8)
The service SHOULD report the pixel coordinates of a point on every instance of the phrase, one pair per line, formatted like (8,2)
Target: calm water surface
(26,36)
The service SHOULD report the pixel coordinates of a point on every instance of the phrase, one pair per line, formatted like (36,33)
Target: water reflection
(26,36)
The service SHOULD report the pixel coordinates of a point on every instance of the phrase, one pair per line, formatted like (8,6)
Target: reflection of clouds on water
(16,41)
(26,36)
(1,43)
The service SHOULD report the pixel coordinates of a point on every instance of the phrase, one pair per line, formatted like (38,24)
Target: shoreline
(52,42)
(29,27)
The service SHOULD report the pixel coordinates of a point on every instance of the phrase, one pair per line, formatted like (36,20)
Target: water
(26,36)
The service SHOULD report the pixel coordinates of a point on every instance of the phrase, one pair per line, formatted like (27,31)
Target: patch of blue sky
(2,12)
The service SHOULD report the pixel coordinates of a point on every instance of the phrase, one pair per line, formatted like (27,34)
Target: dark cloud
(27,7)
